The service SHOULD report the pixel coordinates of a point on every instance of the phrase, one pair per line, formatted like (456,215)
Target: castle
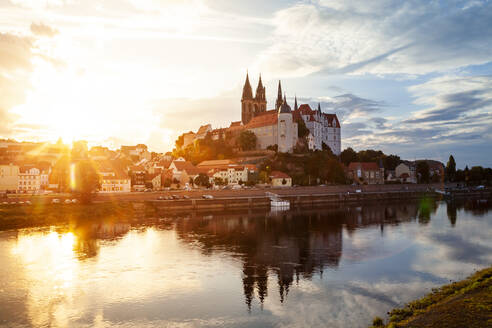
(278,126)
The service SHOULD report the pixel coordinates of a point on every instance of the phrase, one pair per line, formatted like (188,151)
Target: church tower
(247,102)
(279,100)
(260,99)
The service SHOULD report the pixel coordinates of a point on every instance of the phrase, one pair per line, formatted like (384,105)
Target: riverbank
(467,303)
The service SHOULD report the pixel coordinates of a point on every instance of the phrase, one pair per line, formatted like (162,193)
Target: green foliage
(451,169)
(247,140)
(377,322)
(306,169)
(348,155)
(423,172)
(202,180)
(302,130)
(84,180)
(205,149)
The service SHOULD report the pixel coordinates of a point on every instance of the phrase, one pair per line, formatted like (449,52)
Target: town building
(406,172)
(29,179)
(136,153)
(116,182)
(366,173)
(233,174)
(280,179)
(324,128)
(9,178)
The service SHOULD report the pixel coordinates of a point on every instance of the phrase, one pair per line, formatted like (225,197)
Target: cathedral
(279,126)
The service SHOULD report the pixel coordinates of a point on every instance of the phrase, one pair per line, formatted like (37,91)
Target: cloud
(43,30)
(39,4)
(385,37)
(15,52)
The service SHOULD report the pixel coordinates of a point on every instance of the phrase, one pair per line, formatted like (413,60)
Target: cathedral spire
(247,91)
(295,103)
(319,108)
(260,90)
(285,99)
(279,101)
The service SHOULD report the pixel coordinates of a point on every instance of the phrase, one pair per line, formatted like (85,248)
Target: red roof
(183,165)
(278,175)
(235,124)
(266,119)
(365,166)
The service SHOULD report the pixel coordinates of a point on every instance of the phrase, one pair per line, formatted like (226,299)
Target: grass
(22,216)
(467,303)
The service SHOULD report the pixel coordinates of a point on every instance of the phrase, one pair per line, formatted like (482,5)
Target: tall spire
(295,103)
(285,98)
(260,90)
(247,91)
(319,107)
(279,101)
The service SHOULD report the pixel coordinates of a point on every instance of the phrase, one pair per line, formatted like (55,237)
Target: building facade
(29,180)
(9,177)
(365,173)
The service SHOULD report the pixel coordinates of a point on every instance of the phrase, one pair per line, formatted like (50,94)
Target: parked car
(28,202)
(68,201)
(161,198)
(481,187)
(207,196)
(148,190)
(74,201)
(55,201)
(186,197)
(175,196)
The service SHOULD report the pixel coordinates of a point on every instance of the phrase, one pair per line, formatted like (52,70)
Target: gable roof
(266,119)
(366,166)
(278,175)
(183,165)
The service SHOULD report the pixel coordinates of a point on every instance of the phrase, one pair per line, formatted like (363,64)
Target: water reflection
(336,265)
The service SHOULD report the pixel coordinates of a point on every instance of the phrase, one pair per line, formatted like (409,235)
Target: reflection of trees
(287,245)
(89,234)
(475,206)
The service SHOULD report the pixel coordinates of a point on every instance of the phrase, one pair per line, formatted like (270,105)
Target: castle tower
(247,102)
(260,98)
(279,101)
(295,103)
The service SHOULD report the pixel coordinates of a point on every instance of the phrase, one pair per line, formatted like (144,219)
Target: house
(178,166)
(29,179)
(9,177)
(136,153)
(137,176)
(365,173)
(153,181)
(406,172)
(115,182)
(280,179)
(233,174)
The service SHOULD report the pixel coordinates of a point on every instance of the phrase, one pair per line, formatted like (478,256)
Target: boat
(277,202)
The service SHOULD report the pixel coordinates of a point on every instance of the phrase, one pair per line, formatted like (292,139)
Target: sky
(413,78)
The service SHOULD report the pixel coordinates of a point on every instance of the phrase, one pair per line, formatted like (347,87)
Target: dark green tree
(390,162)
(302,130)
(423,172)
(247,140)
(348,155)
(84,180)
(202,180)
(451,169)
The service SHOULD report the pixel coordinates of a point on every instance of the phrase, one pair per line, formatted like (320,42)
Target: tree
(284,182)
(302,130)
(247,140)
(423,172)
(348,155)
(202,180)
(327,149)
(451,169)
(218,181)
(84,180)
(390,162)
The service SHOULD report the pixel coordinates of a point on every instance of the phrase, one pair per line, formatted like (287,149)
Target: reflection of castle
(287,245)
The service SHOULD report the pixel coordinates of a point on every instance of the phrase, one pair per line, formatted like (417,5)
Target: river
(335,266)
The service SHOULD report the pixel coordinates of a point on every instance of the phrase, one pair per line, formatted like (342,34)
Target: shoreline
(465,303)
